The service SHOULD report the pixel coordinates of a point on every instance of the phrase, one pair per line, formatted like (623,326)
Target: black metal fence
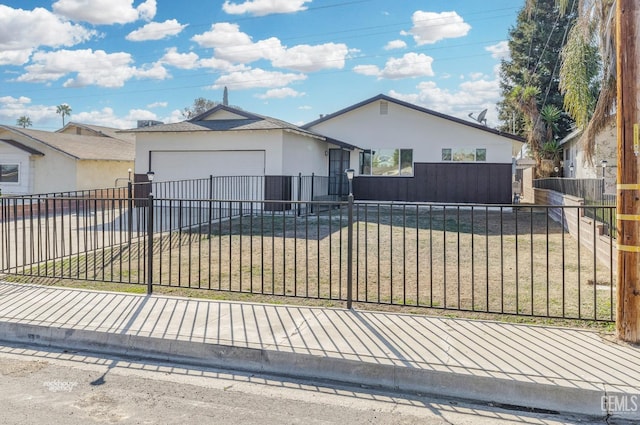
(525,260)
(591,190)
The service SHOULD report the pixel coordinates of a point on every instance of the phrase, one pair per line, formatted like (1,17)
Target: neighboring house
(96,130)
(605,150)
(410,153)
(227,141)
(34,161)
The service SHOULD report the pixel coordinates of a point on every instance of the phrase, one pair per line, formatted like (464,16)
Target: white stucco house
(410,153)
(34,161)
(227,141)
(606,149)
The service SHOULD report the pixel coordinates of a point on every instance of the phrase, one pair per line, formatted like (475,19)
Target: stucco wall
(605,148)
(12,155)
(403,127)
(101,174)
(304,155)
(286,153)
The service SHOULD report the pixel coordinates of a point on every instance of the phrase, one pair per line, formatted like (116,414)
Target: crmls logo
(620,403)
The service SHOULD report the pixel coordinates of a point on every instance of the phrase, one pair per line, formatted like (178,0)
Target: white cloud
(153,72)
(157,105)
(12,108)
(222,34)
(22,31)
(395,44)
(476,75)
(156,31)
(90,68)
(431,27)
(370,70)
(305,108)
(180,60)
(499,50)
(234,46)
(469,96)
(410,65)
(264,7)
(312,58)
(256,78)
(105,12)
(221,65)
(280,93)
(176,116)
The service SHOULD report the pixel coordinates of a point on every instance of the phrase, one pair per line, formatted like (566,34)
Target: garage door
(182,165)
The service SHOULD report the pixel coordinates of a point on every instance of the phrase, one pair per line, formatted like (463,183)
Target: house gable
(383,123)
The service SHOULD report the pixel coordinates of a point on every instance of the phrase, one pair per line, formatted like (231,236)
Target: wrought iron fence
(521,260)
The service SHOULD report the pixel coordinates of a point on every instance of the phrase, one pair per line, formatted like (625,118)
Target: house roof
(416,108)
(99,130)
(571,136)
(235,120)
(77,147)
(22,147)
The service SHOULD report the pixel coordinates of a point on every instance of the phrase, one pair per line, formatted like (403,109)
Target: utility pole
(628,202)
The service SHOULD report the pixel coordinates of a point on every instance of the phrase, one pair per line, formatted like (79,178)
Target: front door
(338,162)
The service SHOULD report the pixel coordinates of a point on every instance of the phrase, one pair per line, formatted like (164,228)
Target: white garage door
(182,165)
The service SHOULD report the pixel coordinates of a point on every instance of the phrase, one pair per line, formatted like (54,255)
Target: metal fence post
(350,252)
(130,211)
(150,245)
(210,198)
(299,193)
(313,178)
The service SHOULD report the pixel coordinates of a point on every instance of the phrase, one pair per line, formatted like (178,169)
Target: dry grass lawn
(479,260)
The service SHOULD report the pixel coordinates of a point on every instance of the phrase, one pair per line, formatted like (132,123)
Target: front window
(9,173)
(464,154)
(386,162)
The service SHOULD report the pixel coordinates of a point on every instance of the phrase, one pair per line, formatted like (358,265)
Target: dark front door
(338,162)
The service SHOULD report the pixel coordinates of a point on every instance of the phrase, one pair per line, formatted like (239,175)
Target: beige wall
(101,174)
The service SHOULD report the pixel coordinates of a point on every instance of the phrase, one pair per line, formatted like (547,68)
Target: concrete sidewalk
(558,369)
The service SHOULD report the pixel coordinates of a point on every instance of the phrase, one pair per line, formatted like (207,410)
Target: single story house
(227,141)
(96,130)
(410,153)
(576,166)
(34,161)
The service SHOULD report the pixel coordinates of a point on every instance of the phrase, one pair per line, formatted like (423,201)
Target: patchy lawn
(479,260)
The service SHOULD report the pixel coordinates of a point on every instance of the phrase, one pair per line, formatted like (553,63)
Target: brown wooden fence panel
(441,182)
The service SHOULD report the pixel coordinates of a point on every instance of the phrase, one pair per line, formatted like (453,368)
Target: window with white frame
(464,154)
(9,173)
(386,162)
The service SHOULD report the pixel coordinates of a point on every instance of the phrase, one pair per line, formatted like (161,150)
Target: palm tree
(24,121)
(64,110)
(588,67)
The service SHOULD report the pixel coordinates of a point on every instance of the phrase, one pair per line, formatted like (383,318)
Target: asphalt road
(54,387)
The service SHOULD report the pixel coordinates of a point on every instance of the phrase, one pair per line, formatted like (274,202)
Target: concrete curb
(497,390)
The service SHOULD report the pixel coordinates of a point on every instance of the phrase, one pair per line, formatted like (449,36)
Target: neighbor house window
(9,173)
(464,154)
(386,162)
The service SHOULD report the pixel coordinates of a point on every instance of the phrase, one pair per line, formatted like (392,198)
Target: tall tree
(588,71)
(530,78)
(24,121)
(64,110)
(199,106)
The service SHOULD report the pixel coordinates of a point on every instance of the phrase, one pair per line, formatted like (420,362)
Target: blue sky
(116,61)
